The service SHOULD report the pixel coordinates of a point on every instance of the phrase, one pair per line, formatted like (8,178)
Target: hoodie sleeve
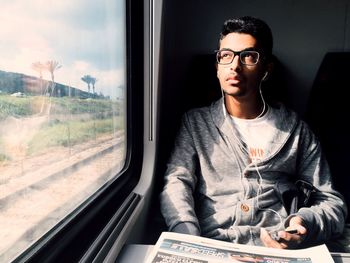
(177,201)
(325,218)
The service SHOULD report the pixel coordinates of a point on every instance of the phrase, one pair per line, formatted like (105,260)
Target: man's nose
(236,63)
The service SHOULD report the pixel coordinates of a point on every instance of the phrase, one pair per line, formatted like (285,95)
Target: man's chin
(233,90)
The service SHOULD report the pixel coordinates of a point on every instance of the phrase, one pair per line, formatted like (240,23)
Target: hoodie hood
(286,122)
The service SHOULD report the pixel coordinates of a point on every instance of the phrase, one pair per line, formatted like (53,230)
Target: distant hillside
(11,82)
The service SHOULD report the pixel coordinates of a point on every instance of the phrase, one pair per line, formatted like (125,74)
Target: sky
(86,37)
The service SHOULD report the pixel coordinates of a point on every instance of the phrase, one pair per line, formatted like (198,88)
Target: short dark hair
(254,27)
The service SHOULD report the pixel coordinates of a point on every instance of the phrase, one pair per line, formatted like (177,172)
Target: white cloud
(77,34)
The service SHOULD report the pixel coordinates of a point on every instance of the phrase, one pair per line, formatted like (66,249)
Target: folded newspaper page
(182,248)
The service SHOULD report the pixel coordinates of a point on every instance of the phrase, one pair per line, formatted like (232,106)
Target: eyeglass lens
(246,57)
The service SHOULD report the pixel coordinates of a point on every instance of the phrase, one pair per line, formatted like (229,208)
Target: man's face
(236,79)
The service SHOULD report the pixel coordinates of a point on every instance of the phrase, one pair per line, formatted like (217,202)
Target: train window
(62,111)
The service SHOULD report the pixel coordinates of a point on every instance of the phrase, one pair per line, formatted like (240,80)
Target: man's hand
(285,239)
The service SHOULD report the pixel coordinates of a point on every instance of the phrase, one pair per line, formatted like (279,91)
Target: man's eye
(226,55)
(247,55)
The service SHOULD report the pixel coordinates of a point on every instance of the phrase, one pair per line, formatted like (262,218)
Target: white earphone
(265,75)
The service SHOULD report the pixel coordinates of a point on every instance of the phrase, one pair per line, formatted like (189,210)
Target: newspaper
(182,248)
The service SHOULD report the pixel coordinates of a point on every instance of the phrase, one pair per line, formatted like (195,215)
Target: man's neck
(243,109)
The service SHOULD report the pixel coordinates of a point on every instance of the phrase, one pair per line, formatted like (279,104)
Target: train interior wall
(304,32)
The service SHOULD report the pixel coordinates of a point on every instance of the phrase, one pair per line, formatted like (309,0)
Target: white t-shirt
(256,133)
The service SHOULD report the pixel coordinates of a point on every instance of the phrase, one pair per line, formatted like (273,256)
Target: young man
(235,162)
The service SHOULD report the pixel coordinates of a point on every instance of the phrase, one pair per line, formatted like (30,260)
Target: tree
(51,66)
(88,80)
(93,82)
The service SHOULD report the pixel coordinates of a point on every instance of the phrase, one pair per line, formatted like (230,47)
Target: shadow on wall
(202,85)
(328,112)
(275,87)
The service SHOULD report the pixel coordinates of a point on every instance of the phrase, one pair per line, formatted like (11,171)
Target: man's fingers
(290,240)
(297,223)
(268,241)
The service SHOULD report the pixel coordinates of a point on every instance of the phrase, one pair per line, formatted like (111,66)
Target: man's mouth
(233,79)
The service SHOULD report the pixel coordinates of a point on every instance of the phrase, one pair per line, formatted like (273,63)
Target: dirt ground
(32,202)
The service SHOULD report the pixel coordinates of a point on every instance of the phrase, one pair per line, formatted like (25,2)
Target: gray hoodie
(211,188)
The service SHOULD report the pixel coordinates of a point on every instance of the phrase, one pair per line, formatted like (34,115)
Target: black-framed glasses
(247,57)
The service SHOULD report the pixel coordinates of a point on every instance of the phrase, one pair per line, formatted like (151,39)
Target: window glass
(62,111)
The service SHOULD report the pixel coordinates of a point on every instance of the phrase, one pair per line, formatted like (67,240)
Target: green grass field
(71,121)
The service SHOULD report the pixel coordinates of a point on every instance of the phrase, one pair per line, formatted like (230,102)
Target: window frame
(82,234)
